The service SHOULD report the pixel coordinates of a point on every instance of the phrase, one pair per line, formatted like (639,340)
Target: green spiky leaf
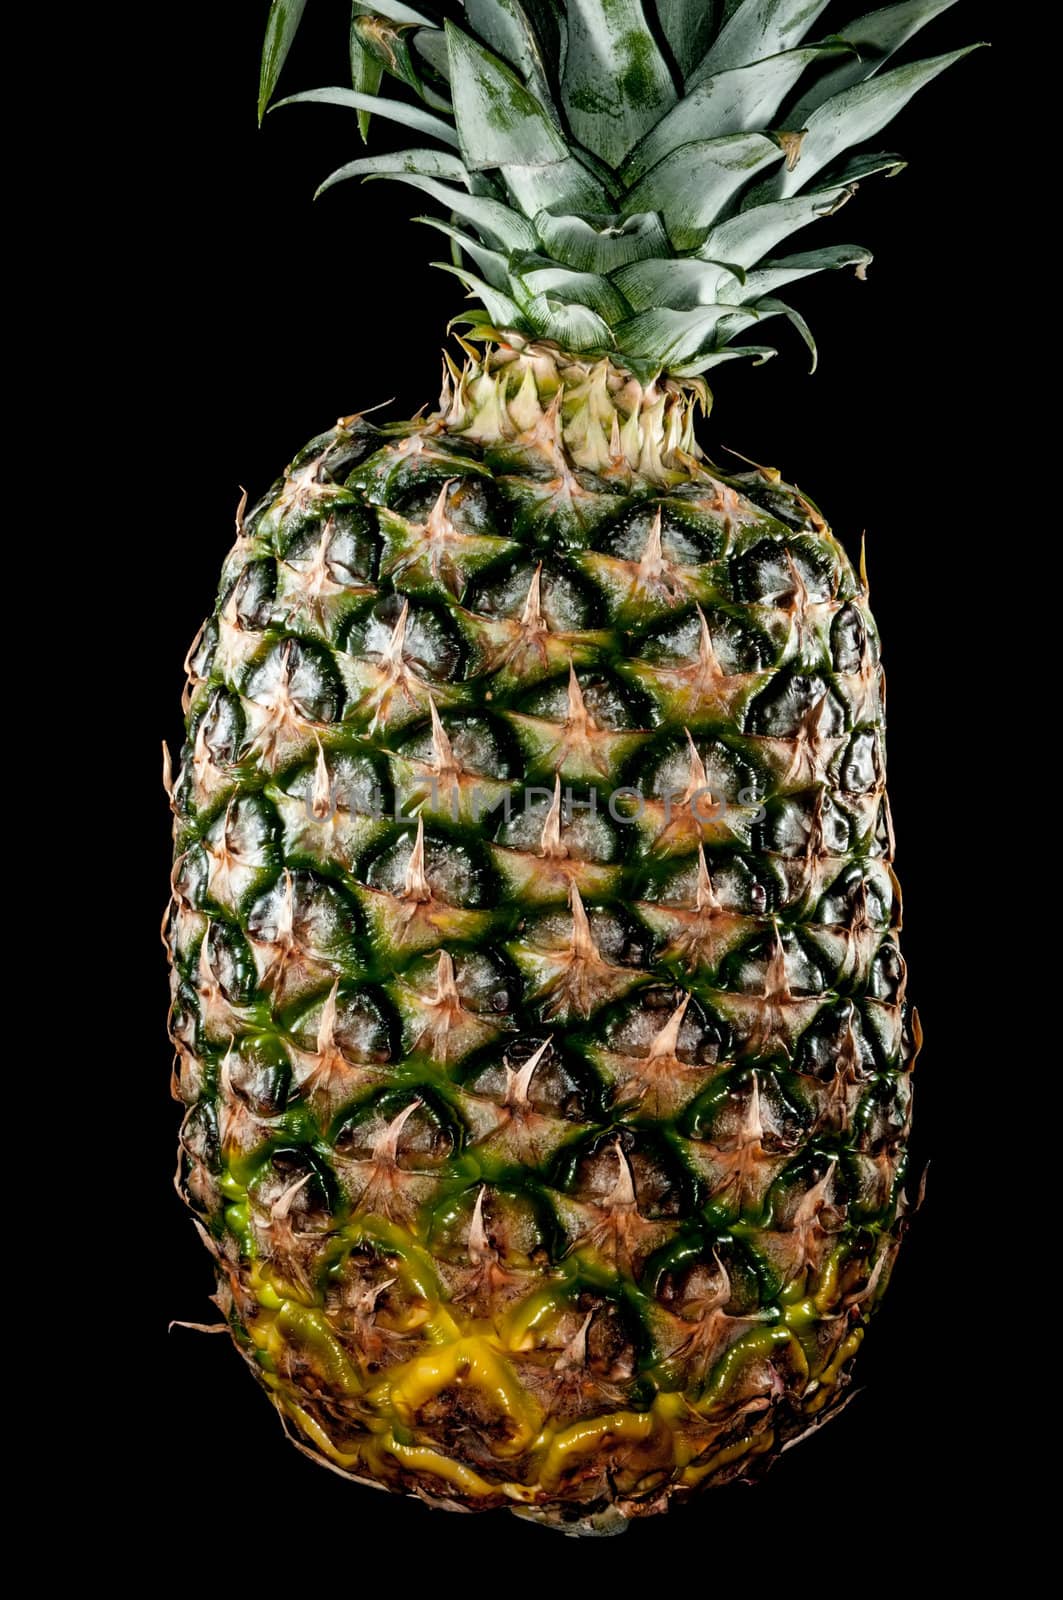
(771,307)
(500,123)
(747,237)
(503,311)
(281,28)
(874,39)
(680,285)
(393,110)
(395,11)
(602,245)
(367,73)
(492,264)
(539,275)
(399,164)
(718,354)
(666,338)
(687,25)
(598,202)
(616,84)
(858,114)
(772,275)
(691,186)
(504,26)
(739,101)
(757,28)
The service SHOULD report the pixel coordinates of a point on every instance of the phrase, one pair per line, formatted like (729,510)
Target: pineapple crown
(618,175)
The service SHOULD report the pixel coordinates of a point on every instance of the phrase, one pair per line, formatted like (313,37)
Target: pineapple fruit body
(539,1014)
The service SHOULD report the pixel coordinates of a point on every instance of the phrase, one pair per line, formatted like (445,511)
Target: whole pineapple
(538,1006)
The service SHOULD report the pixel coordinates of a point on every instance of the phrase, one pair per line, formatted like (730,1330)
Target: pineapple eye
(888,974)
(454,872)
(475,742)
(849,639)
(885,1112)
(795,704)
(259,1072)
(604,700)
(221,727)
(586,835)
(701,1039)
(251,596)
(729,775)
(470,503)
(414,1134)
(359,1029)
(199,1135)
(201,656)
(299,674)
(430,645)
(230,961)
(291,1176)
(490,1220)
(734,885)
(564,606)
(680,543)
(303,929)
(836,1034)
(860,769)
(738,646)
(784,575)
(748,970)
(631,1168)
(558,1087)
(342,543)
(355,783)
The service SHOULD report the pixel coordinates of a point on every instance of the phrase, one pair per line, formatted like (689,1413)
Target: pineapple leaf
(691,186)
(566,183)
(667,338)
(541,276)
(757,28)
(573,327)
(746,238)
(772,275)
(759,353)
(741,100)
(367,72)
(502,310)
(281,28)
(688,27)
(615,84)
(497,222)
(500,122)
(680,285)
(858,114)
(389,43)
(393,110)
(866,165)
(503,25)
(874,39)
(491,263)
(770,307)
(398,164)
(578,243)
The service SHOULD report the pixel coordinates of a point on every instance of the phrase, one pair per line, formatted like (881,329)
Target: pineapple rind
(552,1162)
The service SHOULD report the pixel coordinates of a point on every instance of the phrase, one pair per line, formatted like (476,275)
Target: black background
(258,318)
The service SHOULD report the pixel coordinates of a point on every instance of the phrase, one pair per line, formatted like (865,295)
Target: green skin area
(805,1237)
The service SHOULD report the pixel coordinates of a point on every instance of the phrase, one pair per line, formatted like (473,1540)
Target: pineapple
(538,1008)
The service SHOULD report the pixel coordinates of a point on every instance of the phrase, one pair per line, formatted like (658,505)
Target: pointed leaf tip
(281,27)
